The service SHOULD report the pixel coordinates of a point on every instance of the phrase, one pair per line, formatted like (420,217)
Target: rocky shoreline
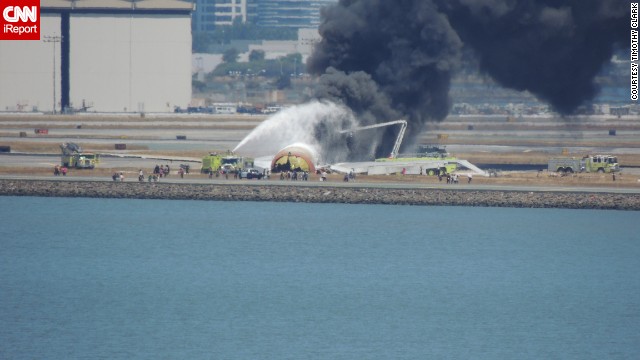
(320,194)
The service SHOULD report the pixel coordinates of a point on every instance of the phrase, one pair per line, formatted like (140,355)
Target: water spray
(316,124)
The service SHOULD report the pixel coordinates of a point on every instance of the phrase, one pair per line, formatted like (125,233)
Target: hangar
(101,55)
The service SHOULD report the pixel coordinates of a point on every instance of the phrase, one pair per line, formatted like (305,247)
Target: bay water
(152,279)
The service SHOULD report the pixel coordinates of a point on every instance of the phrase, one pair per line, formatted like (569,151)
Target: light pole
(53,39)
(199,68)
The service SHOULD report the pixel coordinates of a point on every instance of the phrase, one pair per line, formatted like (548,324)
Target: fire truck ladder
(396,146)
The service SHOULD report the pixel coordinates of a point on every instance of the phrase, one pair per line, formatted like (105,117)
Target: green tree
(294,58)
(238,31)
(281,69)
(198,85)
(283,82)
(231,55)
(256,55)
(200,42)
(293,63)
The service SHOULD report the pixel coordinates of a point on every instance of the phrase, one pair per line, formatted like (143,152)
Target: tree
(294,58)
(198,85)
(256,55)
(283,82)
(281,68)
(294,63)
(231,55)
(238,31)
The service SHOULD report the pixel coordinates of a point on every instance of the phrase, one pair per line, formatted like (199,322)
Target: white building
(307,39)
(227,11)
(290,13)
(108,55)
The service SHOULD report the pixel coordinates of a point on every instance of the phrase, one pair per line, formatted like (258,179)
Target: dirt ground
(529,158)
(544,178)
(515,178)
(630,178)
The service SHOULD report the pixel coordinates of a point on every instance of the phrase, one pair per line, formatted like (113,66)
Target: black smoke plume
(408,50)
(552,48)
(388,59)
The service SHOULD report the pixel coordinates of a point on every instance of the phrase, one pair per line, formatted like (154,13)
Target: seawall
(320,194)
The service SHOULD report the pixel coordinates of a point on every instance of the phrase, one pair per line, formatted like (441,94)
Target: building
(290,13)
(101,55)
(209,14)
(273,13)
(227,11)
(204,18)
(307,39)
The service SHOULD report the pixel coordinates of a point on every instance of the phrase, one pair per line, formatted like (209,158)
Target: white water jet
(297,124)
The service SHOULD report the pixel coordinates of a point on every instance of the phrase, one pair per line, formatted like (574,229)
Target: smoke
(554,49)
(389,59)
(392,58)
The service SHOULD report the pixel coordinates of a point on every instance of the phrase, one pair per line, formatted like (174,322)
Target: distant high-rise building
(277,13)
(290,13)
(204,18)
(211,13)
(227,11)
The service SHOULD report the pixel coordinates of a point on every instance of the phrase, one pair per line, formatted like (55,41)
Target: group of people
(161,171)
(236,173)
(217,173)
(60,170)
(158,172)
(454,178)
(294,175)
(351,176)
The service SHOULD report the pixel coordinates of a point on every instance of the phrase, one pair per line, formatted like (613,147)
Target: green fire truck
(226,162)
(74,157)
(589,163)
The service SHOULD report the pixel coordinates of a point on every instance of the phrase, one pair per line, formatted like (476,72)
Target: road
(216,132)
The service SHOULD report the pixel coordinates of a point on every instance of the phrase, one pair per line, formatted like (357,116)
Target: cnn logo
(15,13)
(20,20)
